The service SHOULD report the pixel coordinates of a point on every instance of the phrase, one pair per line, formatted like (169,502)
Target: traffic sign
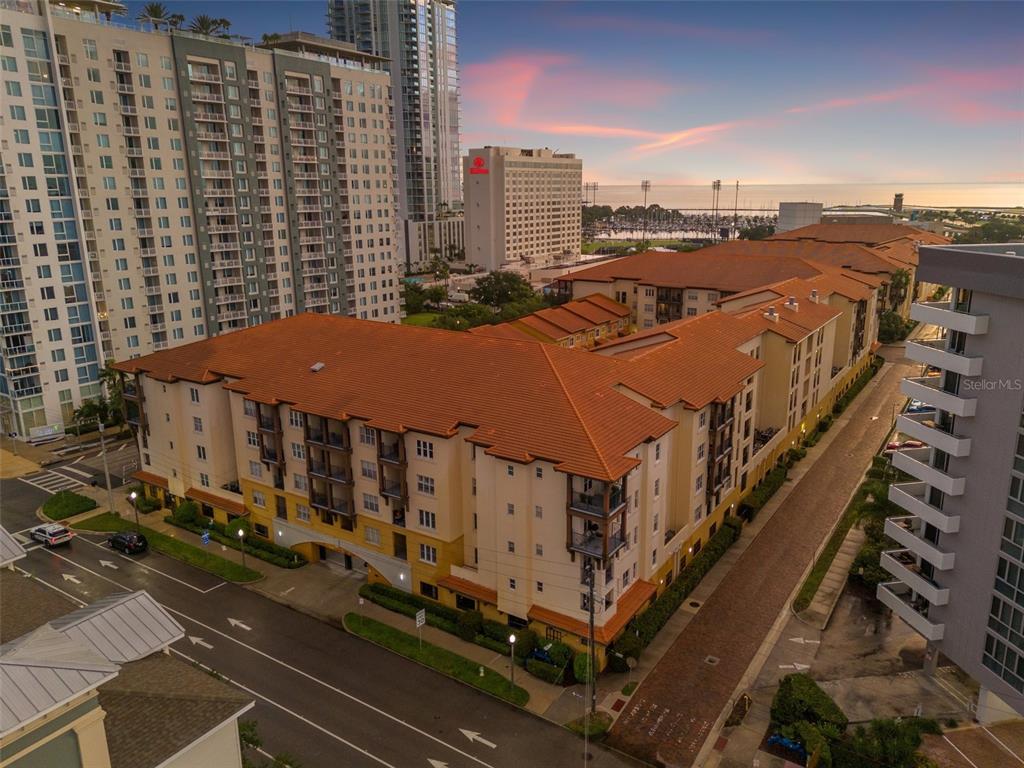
(206,537)
(421,617)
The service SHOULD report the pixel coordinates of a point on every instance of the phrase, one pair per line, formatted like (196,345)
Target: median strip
(167,545)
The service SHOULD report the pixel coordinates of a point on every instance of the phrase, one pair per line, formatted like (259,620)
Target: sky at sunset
(767,92)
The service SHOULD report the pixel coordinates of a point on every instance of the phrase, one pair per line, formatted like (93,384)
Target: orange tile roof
(865,234)
(823,255)
(204,496)
(469,588)
(504,331)
(631,601)
(558,323)
(148,477)
(521,400)
(794,323)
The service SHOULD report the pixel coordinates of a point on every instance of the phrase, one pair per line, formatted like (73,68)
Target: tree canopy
(499,288)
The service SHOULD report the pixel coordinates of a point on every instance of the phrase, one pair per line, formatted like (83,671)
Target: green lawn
(441,659)
(172,547)
(596,727)
(65,504)
(420,318)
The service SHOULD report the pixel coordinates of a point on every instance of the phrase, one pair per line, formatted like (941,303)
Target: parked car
(916,406)
(893,446)
(52,534)
(129,542)
(912,444)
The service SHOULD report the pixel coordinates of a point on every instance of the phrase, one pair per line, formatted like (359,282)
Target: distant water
(755,197)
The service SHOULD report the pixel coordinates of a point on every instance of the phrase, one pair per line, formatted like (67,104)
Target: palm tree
(153,13)
(175,20)
(207,25)
(269,38)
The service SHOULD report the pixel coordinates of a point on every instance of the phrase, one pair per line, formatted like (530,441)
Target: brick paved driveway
(673,711)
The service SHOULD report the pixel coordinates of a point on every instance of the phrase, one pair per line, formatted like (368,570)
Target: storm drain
(712,660)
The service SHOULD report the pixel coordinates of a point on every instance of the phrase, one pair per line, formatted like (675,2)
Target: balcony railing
(913,497)
(595,544)
(943,314)
(928,389)
(902,564)
(905,530)
(390,452)
(934,352)
(594,503)
(915,463)
(900,599)
(392,490)
(922,426)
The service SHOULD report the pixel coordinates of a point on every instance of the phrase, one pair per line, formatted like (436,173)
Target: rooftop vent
(772,315)
(791,303)
(316,367)
(814,295)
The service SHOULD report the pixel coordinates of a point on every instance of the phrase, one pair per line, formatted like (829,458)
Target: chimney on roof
(316,367)
(814,295)
(791,303)
(772,315)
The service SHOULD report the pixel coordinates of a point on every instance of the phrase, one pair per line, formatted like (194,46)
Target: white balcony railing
(901,564)
(941,313)
(934,352)
(928,389)
(905,530)
(912,497)
(915,462)
(901,600)
(922,426)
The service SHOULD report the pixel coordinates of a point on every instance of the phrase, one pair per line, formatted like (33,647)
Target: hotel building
(628,457)
(158,187)
(523,207)
(417,37)
(959,564)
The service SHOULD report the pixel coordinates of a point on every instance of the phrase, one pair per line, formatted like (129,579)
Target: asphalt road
(323,696)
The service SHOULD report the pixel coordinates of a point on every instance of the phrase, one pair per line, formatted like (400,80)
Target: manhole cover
(695,603)
(712,660)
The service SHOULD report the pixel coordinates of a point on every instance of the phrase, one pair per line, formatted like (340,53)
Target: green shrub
(65,504)
(826,423)
(186,513)
(265,550)
(496,631)
(757,498)
(498,646)
(815,742)
(469,625)
(526,642)
(547,672)
(626,646)
(401,597)
(800,698)
(581,668)
(793,455)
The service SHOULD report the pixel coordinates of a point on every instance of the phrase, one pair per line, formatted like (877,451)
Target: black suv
(128,542)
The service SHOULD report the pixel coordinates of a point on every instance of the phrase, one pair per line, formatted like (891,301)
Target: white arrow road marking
(436,763)
(240,625)
(108,564)
(797,667)
(804,641)
(199,641)
(287,590)
(474,736)
(72,579)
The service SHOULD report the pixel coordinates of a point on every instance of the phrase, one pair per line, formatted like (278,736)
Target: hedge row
(754,501)
(799,698)
(263,550)
(844,402)
(647,624)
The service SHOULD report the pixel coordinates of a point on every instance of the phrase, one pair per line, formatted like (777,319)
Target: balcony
(922,426)
(913,498)
(935,353)
(332,506)
(598,501)
(902,564)
(899,598)
(593,544)
(905,530)
(928,389)
(392,452)
(944,314)
(915,462)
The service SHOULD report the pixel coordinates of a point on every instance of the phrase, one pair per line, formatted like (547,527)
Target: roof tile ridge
(575,409)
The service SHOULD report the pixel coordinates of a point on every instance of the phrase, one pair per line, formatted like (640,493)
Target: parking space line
(1001,744)
(954,746)
(283,708)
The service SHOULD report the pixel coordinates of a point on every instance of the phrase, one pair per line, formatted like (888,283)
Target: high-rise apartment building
(418,39)
(959,567)
(523,206)
(159,187)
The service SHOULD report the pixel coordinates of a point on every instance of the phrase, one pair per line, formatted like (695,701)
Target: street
(323,696)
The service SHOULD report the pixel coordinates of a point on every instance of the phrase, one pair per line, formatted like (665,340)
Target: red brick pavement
(672,713)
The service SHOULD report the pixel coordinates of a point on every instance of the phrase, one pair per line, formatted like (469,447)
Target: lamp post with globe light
(241,543)
(512,659)
(133,496)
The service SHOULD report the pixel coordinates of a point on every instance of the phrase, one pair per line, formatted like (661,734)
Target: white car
(52,534)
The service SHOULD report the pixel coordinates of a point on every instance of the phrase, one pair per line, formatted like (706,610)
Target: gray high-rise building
(959,567)
(418,37)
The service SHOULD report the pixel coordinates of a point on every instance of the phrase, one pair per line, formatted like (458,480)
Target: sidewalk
(824,602)
(12,465)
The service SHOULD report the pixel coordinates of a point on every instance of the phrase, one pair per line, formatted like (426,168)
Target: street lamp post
(512,659)
(241,544)
(106,467)
(133,496)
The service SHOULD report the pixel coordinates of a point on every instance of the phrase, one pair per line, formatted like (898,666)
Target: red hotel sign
(478,166)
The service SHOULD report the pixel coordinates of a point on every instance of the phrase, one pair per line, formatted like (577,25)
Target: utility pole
(736,208)
(716,190)
(645,185)
(106,468)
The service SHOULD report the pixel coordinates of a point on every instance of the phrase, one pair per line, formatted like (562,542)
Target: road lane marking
(68,595)
(200,642)
(72,579)
(154,570)
(239,624)
(954,746)
(475,736)
(283,708)
(78,472)
(1001,744)
(286,665)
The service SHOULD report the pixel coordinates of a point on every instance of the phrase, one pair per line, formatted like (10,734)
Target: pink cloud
(663,28)
(880,97)
(501,87)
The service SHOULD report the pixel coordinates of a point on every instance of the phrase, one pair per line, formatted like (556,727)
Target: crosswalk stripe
(76,471)
(51,481)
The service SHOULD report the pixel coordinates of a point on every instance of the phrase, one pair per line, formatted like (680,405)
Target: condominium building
(581,323)
(487,472)
(523,206)
(417,37)
(959,566)
(159,187)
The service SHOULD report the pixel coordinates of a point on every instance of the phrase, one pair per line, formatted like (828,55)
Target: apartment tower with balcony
(418,38)
(159,187)
(959,564)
